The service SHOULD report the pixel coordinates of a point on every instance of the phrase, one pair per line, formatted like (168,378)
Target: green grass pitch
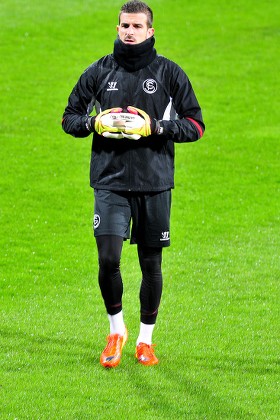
(218,328)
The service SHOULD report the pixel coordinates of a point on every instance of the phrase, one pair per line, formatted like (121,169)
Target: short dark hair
(136,6)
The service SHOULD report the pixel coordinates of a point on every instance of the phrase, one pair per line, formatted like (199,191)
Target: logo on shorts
(164,236)
(150,86)
(96,221)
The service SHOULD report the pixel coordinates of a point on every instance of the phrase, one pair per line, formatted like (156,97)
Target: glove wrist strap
(90,124)
(158,129)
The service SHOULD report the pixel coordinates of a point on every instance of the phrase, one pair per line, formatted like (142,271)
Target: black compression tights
(110,280)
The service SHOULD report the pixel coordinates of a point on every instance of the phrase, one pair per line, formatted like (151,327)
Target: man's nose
(130,30)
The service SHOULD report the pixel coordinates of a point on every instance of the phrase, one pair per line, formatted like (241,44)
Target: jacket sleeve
(80,104)
(188,126)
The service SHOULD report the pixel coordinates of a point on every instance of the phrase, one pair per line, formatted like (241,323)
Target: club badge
(150,86)
(96,221)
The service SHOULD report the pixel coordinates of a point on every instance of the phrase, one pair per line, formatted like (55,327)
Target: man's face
(133,28)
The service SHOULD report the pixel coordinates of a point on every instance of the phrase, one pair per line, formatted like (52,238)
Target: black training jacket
(164,92)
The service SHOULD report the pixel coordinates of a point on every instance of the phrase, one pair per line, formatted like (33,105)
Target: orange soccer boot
(146,355)
(111,355)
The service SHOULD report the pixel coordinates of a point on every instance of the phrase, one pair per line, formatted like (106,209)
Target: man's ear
(150,32)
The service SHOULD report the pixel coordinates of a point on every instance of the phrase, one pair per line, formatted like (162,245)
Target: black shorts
(148,212)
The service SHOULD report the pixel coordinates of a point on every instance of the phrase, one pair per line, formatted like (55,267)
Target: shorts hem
(110,234)
(166,244)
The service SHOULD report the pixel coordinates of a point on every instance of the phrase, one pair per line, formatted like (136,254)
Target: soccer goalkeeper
(144,104)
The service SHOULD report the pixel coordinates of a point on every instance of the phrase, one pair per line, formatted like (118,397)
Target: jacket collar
(134,57)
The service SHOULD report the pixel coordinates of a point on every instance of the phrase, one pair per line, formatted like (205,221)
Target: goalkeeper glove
(107,123)
(140,127)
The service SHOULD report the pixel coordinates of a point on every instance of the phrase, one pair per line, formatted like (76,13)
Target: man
(144,103)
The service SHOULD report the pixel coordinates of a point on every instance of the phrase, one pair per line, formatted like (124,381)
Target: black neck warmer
(134,57)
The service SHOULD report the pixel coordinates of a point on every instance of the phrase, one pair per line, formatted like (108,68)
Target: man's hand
(108,124)
(140,127)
